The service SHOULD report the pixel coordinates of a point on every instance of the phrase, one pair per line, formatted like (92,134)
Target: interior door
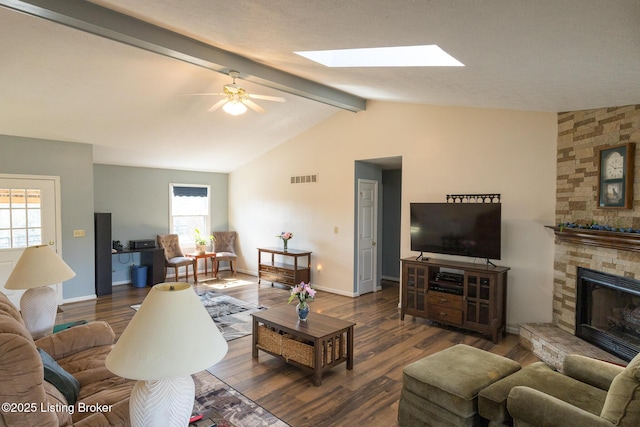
(29,215)
(367,235)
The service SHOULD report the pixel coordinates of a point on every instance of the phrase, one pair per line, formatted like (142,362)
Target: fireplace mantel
(602,239)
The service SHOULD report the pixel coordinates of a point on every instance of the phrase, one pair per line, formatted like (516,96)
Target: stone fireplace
(580,134)
(608,312)
(608,266)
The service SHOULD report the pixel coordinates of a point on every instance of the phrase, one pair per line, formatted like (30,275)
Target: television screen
(467,229)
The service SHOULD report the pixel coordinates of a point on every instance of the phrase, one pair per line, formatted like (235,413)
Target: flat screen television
(467,229)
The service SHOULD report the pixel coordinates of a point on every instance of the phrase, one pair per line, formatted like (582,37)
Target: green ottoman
(442,389)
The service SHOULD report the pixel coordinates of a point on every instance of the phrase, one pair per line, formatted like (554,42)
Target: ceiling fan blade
(202,94)
(217,105)
(267,98)
(255,107)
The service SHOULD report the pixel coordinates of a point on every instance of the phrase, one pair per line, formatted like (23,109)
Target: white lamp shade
(171,334)
(38,266)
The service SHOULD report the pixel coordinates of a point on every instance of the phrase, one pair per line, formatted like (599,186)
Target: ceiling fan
(236,99)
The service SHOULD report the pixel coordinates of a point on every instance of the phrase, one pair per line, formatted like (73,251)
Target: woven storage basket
(303,353)
(269,340)
(297,351)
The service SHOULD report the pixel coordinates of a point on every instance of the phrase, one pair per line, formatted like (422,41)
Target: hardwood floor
(366,396)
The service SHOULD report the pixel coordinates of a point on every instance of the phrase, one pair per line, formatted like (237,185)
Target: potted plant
(201,242)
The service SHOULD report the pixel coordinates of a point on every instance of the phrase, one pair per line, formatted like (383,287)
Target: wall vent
(304,179)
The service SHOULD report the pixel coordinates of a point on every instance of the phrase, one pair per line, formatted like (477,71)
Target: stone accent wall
(580,134)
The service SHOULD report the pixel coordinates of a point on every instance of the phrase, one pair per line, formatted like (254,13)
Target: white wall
(445,150)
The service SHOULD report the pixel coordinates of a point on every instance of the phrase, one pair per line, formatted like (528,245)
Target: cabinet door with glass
(414,296)
(480,294)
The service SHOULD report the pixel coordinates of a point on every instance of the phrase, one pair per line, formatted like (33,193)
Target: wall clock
(615,176)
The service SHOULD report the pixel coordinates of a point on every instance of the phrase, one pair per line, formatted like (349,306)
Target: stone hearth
(551,344)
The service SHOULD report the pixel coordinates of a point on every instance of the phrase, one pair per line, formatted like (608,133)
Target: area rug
(231,315)
(228,407)
(230,283)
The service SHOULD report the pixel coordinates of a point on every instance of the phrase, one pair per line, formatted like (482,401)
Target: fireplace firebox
(608,312)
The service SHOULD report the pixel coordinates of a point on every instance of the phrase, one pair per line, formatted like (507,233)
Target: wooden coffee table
(316,345)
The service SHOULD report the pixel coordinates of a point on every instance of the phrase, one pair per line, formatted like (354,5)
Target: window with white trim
(190,209)
(20,217)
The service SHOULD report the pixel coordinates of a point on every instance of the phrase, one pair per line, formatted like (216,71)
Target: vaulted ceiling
(76,71)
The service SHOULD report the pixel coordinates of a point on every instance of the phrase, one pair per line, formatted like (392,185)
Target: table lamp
(37,268)
(170,337)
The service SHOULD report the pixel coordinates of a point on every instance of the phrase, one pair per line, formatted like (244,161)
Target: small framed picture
(615,176)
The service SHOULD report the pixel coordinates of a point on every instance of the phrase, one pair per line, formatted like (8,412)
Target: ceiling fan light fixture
(236,100)
(234,107)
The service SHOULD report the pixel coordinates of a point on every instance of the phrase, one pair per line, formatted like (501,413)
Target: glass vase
(286,244)
(303,311)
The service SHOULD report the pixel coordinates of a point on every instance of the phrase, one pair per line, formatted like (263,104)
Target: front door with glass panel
(27,218)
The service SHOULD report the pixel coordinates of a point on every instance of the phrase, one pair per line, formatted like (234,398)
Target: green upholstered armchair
(531,407)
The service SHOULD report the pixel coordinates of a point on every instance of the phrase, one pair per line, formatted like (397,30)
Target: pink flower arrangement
(302,292)
(285,235)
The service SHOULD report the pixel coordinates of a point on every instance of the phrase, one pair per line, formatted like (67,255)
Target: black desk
(153,258)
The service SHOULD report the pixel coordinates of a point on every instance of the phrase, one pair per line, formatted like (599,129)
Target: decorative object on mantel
(595,226)
(473,198)
(285,236)
(201,242)
(620,240)
(303,293)
(615,176)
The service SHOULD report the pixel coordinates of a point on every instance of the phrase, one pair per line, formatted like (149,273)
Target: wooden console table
(284,272)
(316,345)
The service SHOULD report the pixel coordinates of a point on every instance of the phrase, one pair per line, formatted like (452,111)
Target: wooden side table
(205,256)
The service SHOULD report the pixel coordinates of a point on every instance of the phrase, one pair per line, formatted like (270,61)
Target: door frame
(57,243)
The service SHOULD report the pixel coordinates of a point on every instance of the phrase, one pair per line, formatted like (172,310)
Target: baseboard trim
(120,283)
(78,299)
(337,292)
(513,329)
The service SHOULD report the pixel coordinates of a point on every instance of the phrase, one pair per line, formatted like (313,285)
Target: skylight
(400,56)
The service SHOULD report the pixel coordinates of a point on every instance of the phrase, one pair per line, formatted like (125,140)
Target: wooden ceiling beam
(104,22)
